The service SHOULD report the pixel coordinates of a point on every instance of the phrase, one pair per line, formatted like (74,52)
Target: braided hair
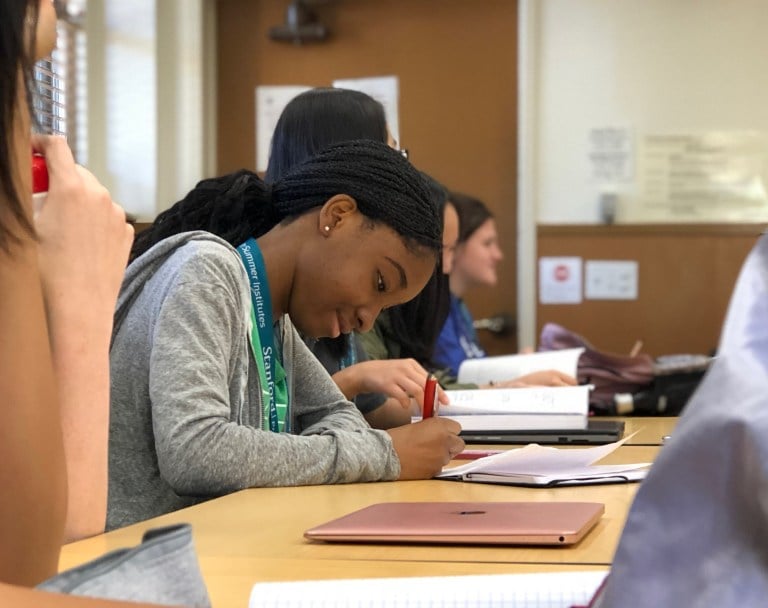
(314,120)
(240,205)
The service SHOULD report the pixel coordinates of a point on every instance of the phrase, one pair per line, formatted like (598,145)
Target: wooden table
(257,535)
(649,430)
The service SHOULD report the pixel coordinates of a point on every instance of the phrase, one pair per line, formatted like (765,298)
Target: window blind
(60,105)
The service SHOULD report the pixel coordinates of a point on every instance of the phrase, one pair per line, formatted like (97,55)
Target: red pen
(39,181)
(431,404)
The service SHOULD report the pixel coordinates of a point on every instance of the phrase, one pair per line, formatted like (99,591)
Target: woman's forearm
(80,353)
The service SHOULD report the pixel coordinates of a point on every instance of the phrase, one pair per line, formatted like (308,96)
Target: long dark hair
(323,116)
(314,120)
(240,205)
(16,59)
(319,118)
(416,325)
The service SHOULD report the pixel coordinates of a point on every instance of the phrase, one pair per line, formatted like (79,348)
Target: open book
(539,590)
(471,423)
(508,367)
(529,400)
(541,466)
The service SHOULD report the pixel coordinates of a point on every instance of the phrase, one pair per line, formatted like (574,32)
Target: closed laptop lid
(497,523)
(595,433)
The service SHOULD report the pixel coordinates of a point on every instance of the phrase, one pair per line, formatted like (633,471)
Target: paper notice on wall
(385,90)
(713,176)
(270,101)
(611,279)
(611,154)
(560,280)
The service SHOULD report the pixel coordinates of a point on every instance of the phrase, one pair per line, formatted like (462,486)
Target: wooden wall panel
(686,275)
(457,65)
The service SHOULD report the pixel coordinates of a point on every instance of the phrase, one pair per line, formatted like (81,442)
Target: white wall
(655,66)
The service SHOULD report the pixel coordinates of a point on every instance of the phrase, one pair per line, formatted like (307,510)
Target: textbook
(518,422)
(509,367)
(528,400)
(543,466)
(537,590)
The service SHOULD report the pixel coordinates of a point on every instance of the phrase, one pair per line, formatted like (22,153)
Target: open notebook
(543,466)
(539,590)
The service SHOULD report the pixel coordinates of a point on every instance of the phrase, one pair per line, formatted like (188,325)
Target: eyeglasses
(392,142)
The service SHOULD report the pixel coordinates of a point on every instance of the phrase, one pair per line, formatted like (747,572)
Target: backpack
(630,384)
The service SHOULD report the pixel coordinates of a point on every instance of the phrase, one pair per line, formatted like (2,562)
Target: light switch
(610,280)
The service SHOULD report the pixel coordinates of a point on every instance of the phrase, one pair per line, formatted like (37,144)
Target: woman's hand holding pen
(401,379)
(426,446)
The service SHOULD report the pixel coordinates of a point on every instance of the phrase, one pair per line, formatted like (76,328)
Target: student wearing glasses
(395,335)
(475,265)
(475,262)
(384,391)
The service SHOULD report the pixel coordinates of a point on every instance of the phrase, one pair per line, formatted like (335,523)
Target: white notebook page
(539,590)
(509,367)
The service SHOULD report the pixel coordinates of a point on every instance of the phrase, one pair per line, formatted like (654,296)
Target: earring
(327,229)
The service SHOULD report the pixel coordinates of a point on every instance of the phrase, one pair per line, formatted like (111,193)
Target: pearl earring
(327,228)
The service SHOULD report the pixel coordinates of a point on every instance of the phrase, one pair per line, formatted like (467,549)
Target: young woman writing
(213,390)
(384,390)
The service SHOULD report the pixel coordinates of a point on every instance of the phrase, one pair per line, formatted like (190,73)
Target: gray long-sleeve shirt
(186,398)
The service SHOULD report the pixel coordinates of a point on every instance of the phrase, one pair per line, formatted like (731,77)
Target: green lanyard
(350,354)
(274,389)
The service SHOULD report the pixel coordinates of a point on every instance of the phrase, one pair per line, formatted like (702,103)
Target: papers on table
(536,465)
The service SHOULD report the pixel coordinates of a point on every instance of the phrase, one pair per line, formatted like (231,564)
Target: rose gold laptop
(495,523)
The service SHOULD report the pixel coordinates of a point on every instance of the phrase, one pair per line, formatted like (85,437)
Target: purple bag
(610,373)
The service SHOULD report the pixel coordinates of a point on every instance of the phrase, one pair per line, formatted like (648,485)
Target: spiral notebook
(539,590)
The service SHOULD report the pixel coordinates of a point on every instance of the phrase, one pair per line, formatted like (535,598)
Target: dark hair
(472,214)
(324,116)
(319,118)
(240,205)
(16,59)
(416,325)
